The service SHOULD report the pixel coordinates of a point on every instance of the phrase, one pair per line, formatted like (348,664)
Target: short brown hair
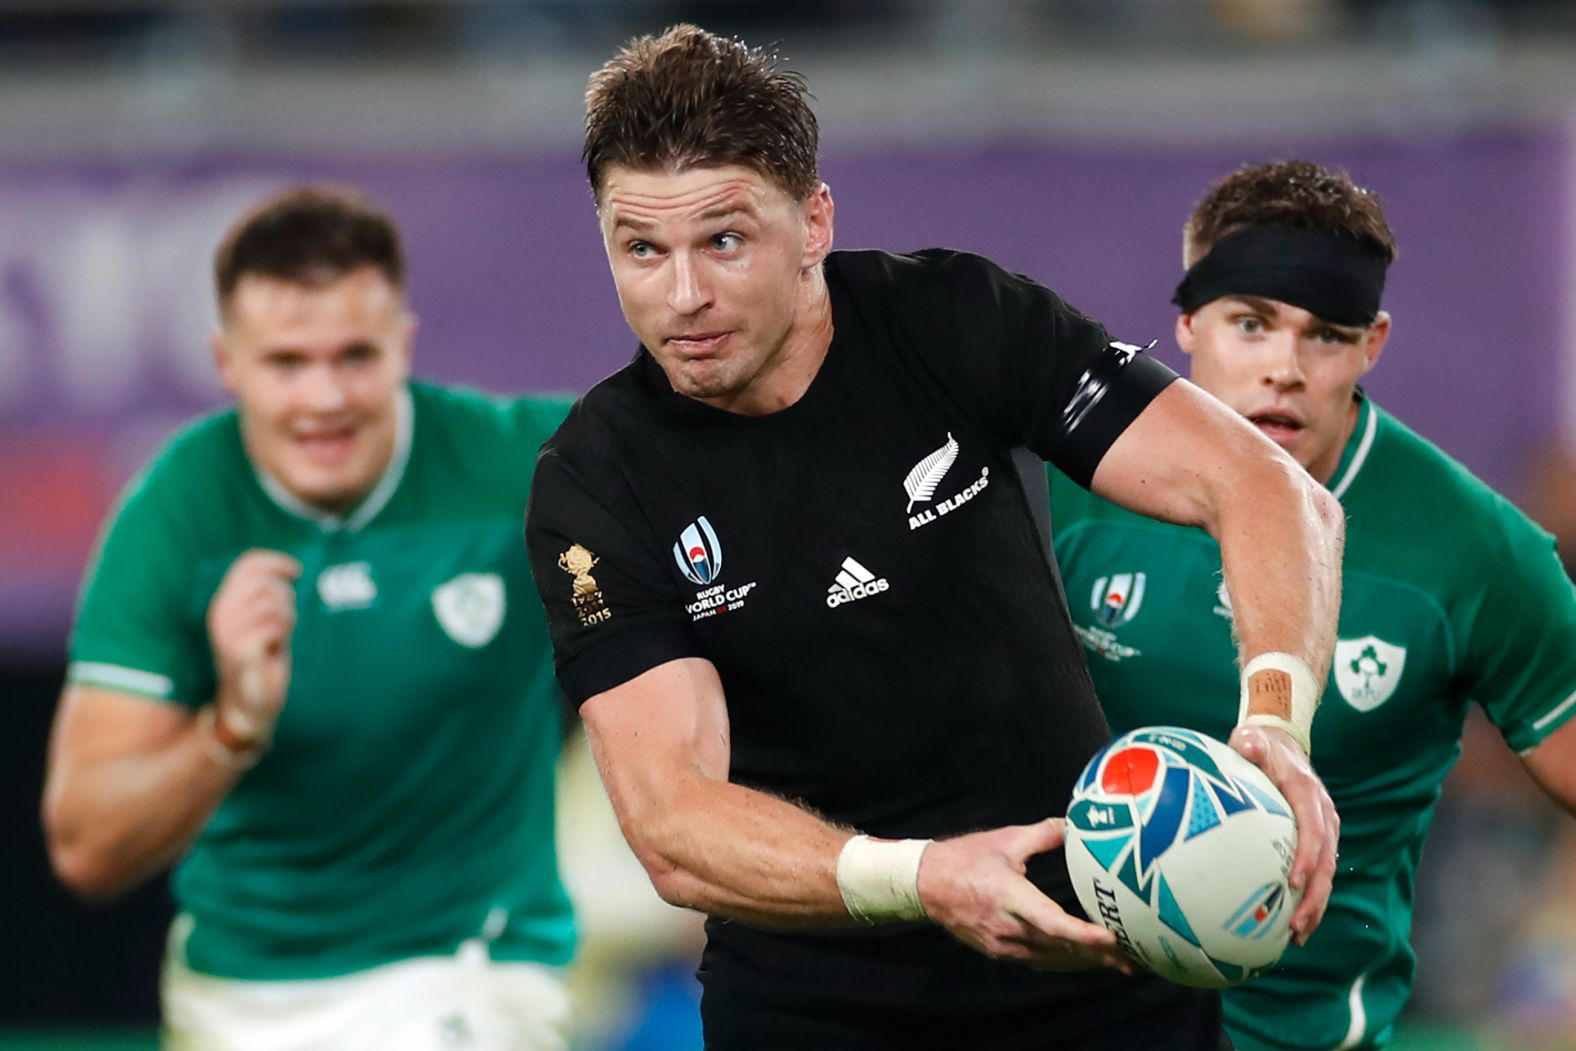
(309,235)
(1297,194)
(689,98)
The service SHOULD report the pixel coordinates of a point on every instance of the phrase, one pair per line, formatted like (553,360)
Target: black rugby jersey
(868,569)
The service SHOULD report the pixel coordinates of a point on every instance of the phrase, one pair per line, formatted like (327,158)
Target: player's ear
(819,213)
(1187,339)
(405,345)
(223,357)
(1378,336)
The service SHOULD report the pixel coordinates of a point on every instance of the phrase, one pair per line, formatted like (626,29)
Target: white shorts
(464,1002)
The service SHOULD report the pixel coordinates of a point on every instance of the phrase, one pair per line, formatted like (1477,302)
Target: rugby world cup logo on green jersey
(1116,599)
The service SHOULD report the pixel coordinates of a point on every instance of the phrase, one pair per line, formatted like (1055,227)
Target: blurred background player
(309,670)
(1451,596)
(947,693)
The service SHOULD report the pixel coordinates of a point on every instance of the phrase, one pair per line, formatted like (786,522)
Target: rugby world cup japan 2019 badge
(698,555)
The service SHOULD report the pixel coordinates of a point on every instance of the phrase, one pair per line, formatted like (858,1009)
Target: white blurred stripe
(115,677)
(1359,1027)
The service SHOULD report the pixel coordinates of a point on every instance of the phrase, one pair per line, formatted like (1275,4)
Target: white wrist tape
(216,750)
(1285,682)
(250,718)
(879,878)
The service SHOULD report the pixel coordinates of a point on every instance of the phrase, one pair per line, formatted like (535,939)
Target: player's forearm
(1281,536)
(731,851)
(113,821)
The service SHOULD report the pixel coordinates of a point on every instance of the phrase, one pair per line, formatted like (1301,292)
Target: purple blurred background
(105,298)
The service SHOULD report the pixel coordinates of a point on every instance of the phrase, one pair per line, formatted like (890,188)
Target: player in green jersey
(1451,596)
(309,670)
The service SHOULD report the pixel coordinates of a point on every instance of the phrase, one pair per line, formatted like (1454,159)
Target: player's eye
(360,354)
(641,249)
(726,242)
(1250,325)
(1336,336)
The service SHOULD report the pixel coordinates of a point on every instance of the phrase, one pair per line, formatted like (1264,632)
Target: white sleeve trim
(116,677)
(1559,710)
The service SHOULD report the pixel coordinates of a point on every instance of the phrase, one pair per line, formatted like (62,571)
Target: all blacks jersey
(868,569)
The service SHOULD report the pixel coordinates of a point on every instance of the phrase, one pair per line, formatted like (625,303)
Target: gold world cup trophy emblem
(587,598)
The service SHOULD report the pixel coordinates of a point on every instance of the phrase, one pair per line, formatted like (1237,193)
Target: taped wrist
(879,878)
(247,717)
(220,743)
(1280,690)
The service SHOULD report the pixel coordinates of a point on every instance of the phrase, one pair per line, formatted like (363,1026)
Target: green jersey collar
(375,501)
(1357,448)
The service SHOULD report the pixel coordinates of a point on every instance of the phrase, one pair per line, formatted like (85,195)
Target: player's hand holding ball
(250,622)
(1286,764)
(975,886)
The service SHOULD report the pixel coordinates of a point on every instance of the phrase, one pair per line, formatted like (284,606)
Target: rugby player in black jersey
(797,570)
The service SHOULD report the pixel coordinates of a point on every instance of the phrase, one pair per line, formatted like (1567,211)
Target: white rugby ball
(1182,848)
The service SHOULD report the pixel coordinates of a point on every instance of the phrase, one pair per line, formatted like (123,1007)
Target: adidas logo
(854,582)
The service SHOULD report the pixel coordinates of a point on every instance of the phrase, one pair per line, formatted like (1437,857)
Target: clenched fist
(250,621)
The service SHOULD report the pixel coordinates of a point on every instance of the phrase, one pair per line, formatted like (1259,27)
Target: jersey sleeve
(537,416)
(136,630)
(613,610)
(1520,655)
(1039,373)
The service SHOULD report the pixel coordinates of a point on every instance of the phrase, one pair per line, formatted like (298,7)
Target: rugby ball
(1182,848)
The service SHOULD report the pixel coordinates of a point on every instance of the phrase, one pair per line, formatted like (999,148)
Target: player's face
(316,372)
(713,267)
(1291,374)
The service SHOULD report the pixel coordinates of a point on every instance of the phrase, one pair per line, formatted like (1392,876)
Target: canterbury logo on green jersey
(1367,670)
(470,608)
(347,586)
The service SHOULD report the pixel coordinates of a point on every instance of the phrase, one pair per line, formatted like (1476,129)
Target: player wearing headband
(1451,596)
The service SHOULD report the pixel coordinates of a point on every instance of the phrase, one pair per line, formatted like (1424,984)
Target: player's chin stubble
(707,380)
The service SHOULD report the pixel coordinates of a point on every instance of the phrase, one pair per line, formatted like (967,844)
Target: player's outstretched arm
(131,781)
(1189,459)
(661,743)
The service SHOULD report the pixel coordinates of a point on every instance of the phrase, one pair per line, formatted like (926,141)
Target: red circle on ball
(1131,771)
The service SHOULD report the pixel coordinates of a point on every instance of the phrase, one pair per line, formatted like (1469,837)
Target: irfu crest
(1367,671)
(470,608)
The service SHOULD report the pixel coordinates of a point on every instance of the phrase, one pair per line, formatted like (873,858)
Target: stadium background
(1066,139)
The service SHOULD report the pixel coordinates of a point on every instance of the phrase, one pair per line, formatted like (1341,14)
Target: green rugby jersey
(1450,596)
(407,802)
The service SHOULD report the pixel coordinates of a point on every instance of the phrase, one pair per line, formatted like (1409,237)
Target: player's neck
(1323,469)
(788,374)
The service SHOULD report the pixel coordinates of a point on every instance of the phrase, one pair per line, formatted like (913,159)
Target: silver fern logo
(927,474)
